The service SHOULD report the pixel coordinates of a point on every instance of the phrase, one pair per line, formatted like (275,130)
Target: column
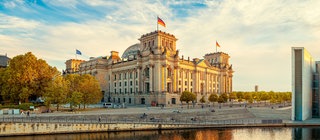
(151,78)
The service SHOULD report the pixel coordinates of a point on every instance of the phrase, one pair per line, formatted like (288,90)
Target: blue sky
(258,35)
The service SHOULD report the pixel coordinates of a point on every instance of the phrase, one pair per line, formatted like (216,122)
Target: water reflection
(306,133)
(197,134)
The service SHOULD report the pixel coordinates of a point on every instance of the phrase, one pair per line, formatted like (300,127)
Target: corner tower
(158,42)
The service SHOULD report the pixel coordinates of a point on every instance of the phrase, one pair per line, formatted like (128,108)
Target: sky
(258,35)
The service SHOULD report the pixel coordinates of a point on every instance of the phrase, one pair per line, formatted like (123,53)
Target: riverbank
(18,129)
(132,119)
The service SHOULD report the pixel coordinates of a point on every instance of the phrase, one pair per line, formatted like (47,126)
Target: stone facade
(152,72)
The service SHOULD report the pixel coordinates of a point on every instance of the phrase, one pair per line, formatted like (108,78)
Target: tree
(224,97)
(239,96)
(202,100)
(90,88)
(56,92)
(75,99)
(187,96)
(232,97)
(26,78)
(264,97)
(74,80)
(247,96)
(213,98)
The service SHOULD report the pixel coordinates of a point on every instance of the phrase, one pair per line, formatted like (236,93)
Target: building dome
(131,51)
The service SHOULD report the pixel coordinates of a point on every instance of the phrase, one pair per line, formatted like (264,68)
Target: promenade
(157,114)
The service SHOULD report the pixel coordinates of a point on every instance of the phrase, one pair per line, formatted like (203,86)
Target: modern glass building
(305,85)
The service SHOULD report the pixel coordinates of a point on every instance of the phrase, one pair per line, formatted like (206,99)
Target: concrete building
(305,85)
(152,72)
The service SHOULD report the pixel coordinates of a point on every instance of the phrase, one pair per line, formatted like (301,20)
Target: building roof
(131,51)
(4,60)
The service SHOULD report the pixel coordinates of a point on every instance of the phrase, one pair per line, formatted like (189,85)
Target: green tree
(74,80)
(224,97)
(90,88)
(202,100)
(239,96)
(75,99)
(232,97)
(213,98)
(247,96)
(56,92)
(187,96)
(26,77)
(264,97)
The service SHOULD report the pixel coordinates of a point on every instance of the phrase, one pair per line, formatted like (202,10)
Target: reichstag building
(153,72)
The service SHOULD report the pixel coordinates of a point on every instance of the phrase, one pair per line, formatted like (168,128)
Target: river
(268,133)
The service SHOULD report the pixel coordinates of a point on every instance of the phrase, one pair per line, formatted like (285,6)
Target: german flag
(160,21)
(217,44)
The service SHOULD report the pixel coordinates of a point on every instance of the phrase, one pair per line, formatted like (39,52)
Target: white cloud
(258,35)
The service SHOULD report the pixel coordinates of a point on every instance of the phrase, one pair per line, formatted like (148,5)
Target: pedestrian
(28,113)
(100,119)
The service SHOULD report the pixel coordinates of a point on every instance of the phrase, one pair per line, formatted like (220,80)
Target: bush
(25,106)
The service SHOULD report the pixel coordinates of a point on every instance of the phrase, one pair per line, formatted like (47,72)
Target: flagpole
(216,47)
(157,24)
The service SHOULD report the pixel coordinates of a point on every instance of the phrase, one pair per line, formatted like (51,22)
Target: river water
(279,133)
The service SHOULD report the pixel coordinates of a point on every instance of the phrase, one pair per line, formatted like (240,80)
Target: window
(169,72)
(179,82)
(130,90)
(125,83)
(120,84)
(146,72)
(124,100)
(191,75)
(119,76)
(191,83)
(129,100)
(136,83)
(115,91)
(179,90)
(130,83)
(115,84)
(120,90)
(130,75)
(186,75)
(191,90)
(185,83)
(115,77)
(118,100)
(125,76)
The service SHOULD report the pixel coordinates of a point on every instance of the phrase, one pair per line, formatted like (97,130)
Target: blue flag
(78,52)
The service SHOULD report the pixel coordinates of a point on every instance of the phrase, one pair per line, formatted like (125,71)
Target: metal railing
(106,120)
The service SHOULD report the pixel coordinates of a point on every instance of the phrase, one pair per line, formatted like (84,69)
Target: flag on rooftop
(217,44)
(78,52)
(160,21)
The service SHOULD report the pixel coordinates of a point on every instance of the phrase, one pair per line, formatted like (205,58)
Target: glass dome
(131,51)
